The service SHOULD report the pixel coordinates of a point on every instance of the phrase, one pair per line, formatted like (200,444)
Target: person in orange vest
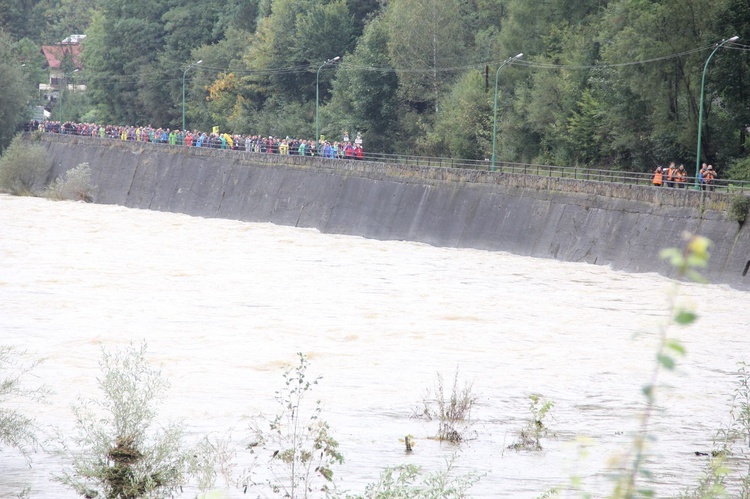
(658,179)
(680,177)
(708,177)
(671,173)
(702,176)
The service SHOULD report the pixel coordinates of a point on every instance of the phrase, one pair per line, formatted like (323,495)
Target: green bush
(21,165)
(74,185)
(115,451)
(738,208)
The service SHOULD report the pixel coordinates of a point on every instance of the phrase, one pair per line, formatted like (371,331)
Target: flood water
(224,306)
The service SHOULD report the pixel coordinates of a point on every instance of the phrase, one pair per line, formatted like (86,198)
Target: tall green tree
(15,95)
(122,44)
(654,106)
(732,72)
(427,43)
(137,51)
(62,18)
(559,42)
(361,12)
(463,125)
(212,99)
(365,92)
(292,43)
(16,19)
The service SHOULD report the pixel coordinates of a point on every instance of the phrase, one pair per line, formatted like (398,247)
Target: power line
(606,66)
(303,69)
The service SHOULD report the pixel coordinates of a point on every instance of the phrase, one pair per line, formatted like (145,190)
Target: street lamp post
(317,97)
(494,126)
(183,91)
(700,110)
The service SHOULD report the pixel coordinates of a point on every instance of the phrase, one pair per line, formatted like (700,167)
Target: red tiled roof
(56,53)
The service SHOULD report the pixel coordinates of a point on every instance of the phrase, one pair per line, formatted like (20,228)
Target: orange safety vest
(670,173)
(680,176)
(709,175)
(658,177)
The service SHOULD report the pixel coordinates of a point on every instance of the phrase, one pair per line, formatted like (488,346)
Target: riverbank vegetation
(24,164)
(118,449)
(21,165)
(614,84)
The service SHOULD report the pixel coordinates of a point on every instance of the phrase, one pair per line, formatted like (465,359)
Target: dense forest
(613,84)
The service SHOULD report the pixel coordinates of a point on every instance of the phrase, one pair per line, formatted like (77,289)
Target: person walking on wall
(658,179)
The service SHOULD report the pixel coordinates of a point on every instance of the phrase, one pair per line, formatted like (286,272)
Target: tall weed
(297,442)
(687,262)
(451,411)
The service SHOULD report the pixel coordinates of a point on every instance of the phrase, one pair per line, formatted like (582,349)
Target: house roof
(56,53)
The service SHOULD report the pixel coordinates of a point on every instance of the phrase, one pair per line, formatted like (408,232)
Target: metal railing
(563,172)
(501,167)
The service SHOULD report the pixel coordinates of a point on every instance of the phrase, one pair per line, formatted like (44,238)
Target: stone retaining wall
(624,226)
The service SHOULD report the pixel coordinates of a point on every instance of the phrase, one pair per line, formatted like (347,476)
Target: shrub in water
(115,451)
(452,413)
(530,436)
(75,185)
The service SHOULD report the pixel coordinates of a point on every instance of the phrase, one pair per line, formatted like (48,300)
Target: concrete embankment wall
(624,226)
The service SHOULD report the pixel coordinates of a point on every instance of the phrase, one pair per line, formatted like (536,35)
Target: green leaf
(685,317)
(327,473)
(675,346)
(648,390)
(666,361)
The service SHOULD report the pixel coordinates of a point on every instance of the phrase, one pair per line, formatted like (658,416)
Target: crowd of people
(671,176)
(676,176)
(344,149)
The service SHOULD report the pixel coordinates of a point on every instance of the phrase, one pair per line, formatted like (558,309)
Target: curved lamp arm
(700,109)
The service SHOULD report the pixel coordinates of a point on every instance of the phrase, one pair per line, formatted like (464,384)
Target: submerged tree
(116,450)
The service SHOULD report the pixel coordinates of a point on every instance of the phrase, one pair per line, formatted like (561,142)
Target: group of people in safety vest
(673,176)
(706,177)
